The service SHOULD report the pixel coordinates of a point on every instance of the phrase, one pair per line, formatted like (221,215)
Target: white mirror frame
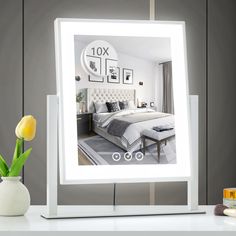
(70,171)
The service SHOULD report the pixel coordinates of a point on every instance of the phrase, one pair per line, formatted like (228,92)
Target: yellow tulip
(26,128)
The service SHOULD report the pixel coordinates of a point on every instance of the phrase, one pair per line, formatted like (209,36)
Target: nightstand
(154,108)
(84,123)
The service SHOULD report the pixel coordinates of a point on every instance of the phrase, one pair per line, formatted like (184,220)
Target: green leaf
(18,150)
(3,167)
(19,163)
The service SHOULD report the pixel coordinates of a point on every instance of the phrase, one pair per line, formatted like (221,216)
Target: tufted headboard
(103,95)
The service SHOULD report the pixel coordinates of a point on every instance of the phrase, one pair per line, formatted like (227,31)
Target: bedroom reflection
(124,99)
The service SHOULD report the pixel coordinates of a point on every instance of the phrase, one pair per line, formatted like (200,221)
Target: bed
(124,128)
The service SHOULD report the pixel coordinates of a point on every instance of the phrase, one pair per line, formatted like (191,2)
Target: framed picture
(127,76)
(92,78)
(112,71)
(94,64)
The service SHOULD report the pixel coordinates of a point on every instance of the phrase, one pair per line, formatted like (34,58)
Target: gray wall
(221,97)
(212,79)
(10,73)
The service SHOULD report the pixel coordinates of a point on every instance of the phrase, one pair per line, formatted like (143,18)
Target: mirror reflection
(124,99)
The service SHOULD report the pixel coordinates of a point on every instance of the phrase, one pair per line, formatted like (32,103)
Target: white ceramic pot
(14,197)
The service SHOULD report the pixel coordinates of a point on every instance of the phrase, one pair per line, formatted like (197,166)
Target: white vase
(14,197)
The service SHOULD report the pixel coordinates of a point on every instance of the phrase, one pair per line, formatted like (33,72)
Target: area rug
(101,152)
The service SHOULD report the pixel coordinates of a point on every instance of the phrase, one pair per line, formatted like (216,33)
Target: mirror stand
(53,211)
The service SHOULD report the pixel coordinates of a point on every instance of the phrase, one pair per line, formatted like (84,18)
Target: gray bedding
(118,126)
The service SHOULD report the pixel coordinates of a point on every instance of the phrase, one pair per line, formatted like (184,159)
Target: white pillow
(131,105)
(100,107)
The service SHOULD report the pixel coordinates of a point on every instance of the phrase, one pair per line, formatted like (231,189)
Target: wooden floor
(83,160)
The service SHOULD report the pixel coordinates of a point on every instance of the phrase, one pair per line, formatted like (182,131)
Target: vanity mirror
(114,140)
(117,131)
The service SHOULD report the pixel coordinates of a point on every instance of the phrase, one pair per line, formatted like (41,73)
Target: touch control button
(139,156)
(128,156)
(116,156)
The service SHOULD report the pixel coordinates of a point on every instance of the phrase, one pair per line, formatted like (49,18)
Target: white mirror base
(118,211)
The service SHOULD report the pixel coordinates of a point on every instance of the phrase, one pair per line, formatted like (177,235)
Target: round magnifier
(99,58)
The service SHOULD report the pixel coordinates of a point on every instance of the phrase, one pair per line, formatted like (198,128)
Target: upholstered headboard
(103,95)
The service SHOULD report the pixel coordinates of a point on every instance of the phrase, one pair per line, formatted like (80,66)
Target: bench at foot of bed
(157,137)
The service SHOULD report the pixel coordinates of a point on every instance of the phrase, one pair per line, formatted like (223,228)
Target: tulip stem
(18,150)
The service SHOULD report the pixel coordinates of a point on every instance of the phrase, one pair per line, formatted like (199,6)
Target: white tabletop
(202,222)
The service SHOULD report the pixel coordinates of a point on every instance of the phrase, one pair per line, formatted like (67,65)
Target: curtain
(168,101)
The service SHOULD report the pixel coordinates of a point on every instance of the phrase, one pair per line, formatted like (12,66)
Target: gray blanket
(118,126)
